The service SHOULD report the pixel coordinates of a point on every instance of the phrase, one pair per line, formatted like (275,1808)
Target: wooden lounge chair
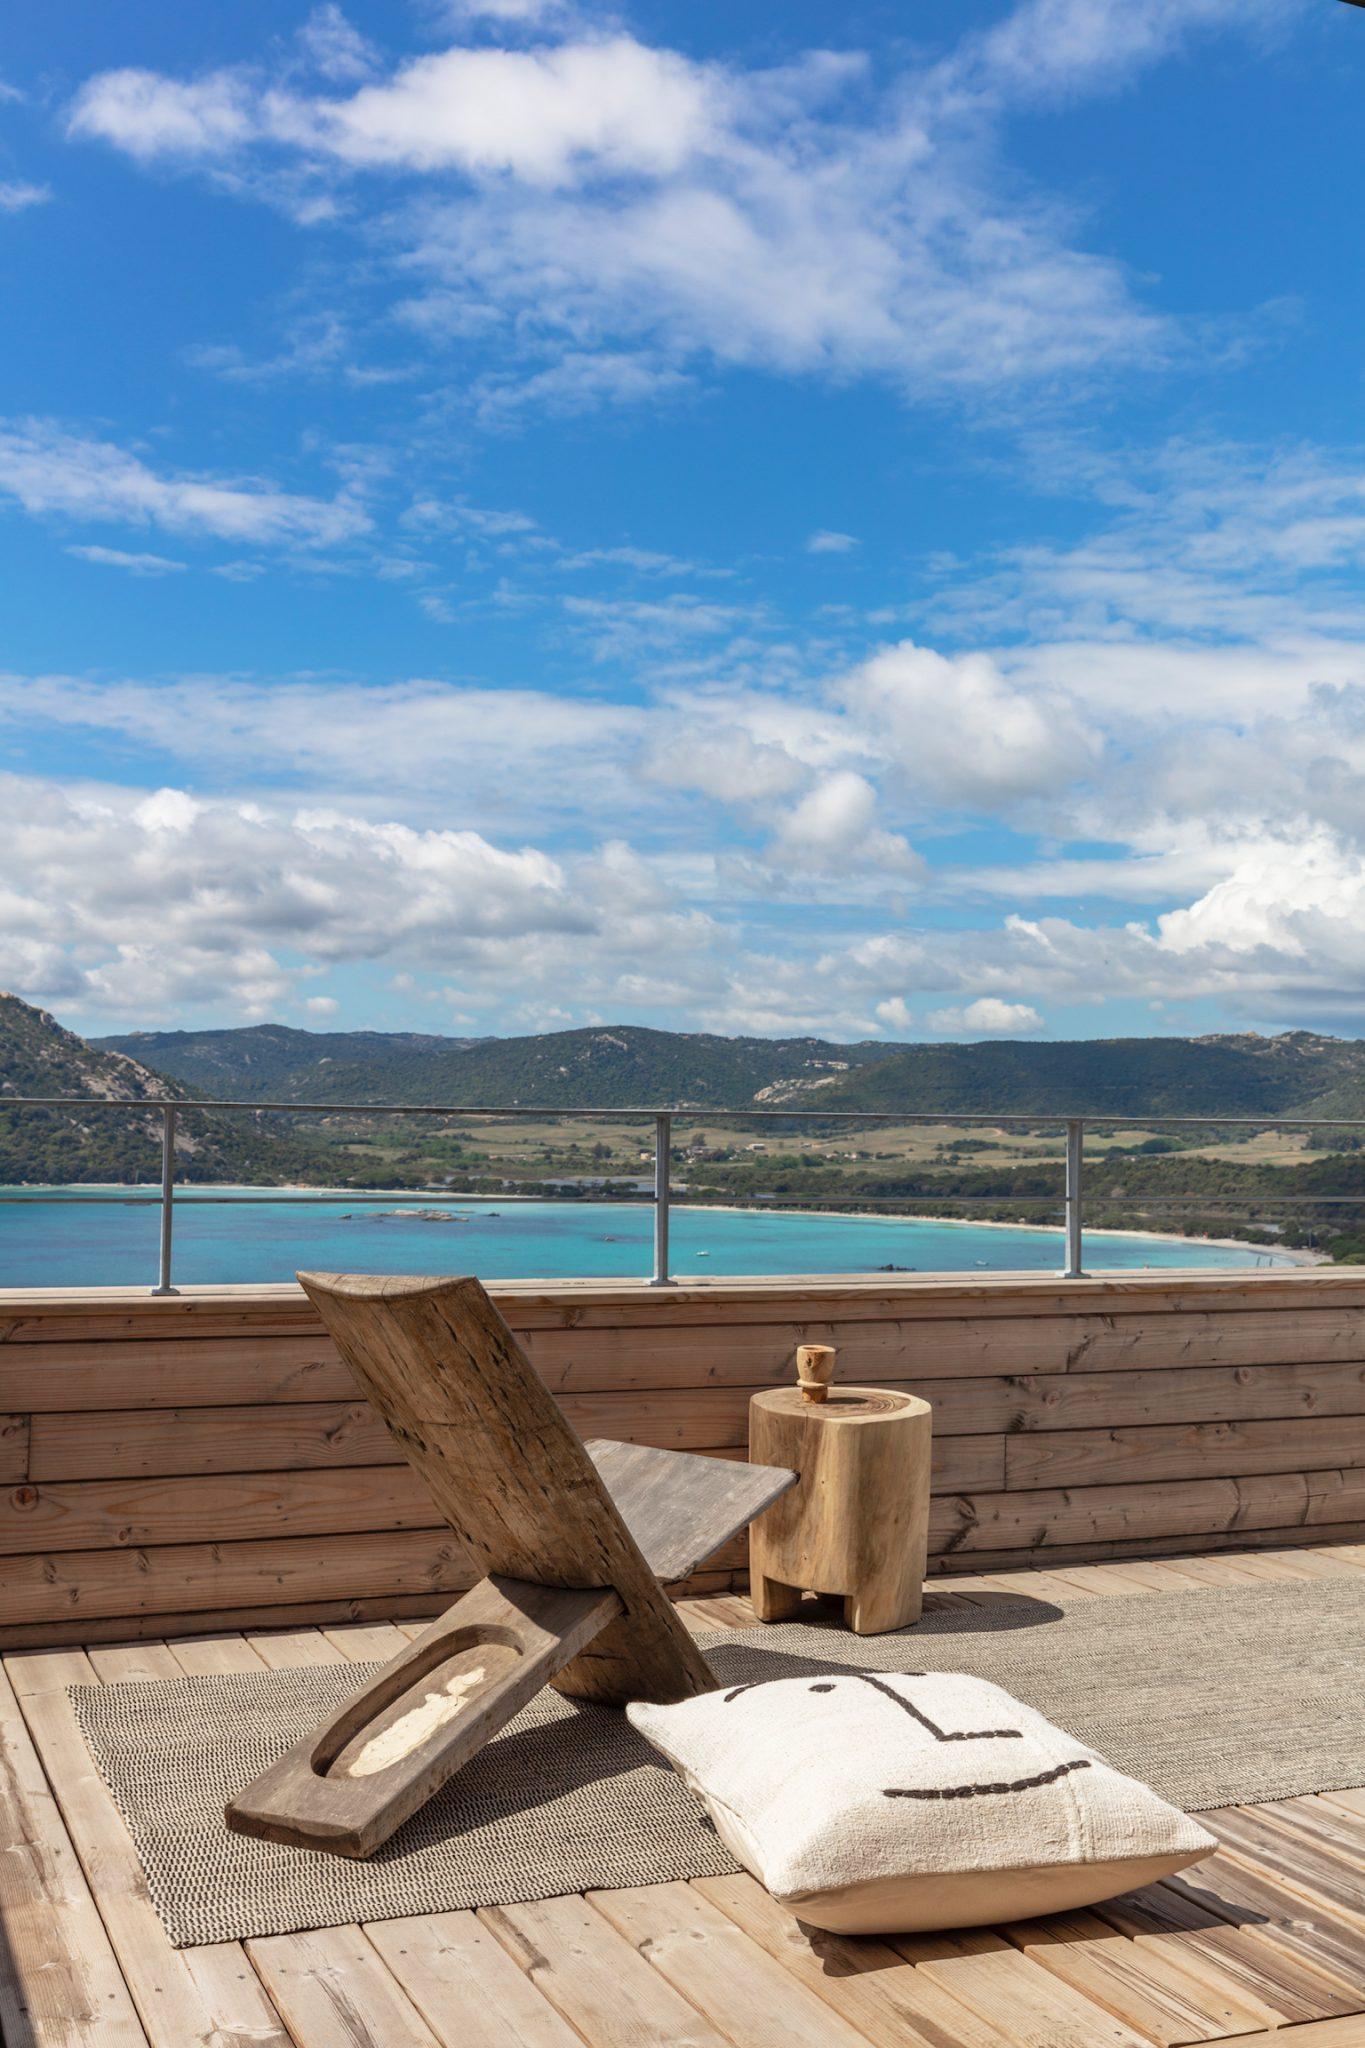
(576,1541)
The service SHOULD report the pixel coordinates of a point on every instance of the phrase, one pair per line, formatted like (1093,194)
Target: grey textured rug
(1215,1698)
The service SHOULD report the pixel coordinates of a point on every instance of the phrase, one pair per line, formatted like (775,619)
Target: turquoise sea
(229,1236)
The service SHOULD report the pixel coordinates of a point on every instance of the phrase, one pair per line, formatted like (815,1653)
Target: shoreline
(1292,1255)
(1286,1255)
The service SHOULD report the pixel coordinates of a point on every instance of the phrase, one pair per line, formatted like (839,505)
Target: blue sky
(748,519)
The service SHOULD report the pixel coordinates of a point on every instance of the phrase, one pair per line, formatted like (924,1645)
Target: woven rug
(1216,1698)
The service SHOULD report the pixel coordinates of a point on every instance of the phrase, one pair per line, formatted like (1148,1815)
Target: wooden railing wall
(173,1466)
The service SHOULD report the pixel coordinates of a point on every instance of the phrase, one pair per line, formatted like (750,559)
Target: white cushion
(881,1803)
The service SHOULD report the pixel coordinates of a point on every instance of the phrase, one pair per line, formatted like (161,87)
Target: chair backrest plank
(470,1413)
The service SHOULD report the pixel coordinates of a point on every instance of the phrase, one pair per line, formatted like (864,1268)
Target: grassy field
(527,1149)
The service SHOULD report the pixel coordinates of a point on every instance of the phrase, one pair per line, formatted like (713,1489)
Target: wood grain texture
(153,1443)
(121,1513)
(1261,1958)
(1097,1515)
(488,1442)
(504,1640)
(1099,1389)
(193,1577)
(682,1510)
(1083,1457)
(59,1980)
(856,1523)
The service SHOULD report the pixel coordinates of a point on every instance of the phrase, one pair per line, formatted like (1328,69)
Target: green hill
(39,1057)
(625,1066)
(615,1068)
(1294,1074)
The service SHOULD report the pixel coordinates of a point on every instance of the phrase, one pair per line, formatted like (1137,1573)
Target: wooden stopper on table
(815,1369)
(857,1523)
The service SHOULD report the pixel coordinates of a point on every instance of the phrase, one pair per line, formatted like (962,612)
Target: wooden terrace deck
(1264,1942)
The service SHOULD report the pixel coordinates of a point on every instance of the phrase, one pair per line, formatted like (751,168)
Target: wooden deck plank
(709,1959)
(115,1662)
(1349,1801)
(1198,1941)
(1026,2004)
(594,1978)
(230,1989)
(1058,1587)
(333,1988)
(465,1984)
(60,1983)
(34,1671)
(296,1649)
(169,2001)
(1352,1554)
(361,1641)
(1146,1989)
(1243,1893)
(864,1981)
(1328,1880)
(201,1656)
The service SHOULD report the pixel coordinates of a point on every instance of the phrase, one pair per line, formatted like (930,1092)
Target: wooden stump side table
(857,1522)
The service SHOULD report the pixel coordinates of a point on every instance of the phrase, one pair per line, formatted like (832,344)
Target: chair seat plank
(681,1507)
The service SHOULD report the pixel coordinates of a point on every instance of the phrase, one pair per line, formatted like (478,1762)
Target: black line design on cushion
(940,1734)
(1081,1763)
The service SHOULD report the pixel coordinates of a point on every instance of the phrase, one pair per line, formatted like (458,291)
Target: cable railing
(662,1196)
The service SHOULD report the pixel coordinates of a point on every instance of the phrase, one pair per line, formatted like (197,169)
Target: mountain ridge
(39,1056)
(1294,1073)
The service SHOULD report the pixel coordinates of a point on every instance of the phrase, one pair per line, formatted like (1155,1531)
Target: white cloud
(321,1006)
(506,13)
(148,115)
(521,759)
(135,564)
(335,47)
(987,1014)
(631,628)
(957,731)
(623,210)
(580,381)
(543,114)
(147,902)
(16,196)
(834,826)
(825,542)
(1059,49)
(49,470)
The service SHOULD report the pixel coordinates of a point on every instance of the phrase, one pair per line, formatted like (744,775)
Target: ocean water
(112,1241)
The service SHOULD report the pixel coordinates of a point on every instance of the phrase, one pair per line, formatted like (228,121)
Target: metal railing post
(663,1145)
(163,1285)
(1075,1143)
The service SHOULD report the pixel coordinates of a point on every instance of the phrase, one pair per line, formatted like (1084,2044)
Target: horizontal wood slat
(185,1370)
(1106,1514)
(1087,1457)
(119,1513)
(288,1438)
(940,1349)
(202,1455)
(185,1577)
